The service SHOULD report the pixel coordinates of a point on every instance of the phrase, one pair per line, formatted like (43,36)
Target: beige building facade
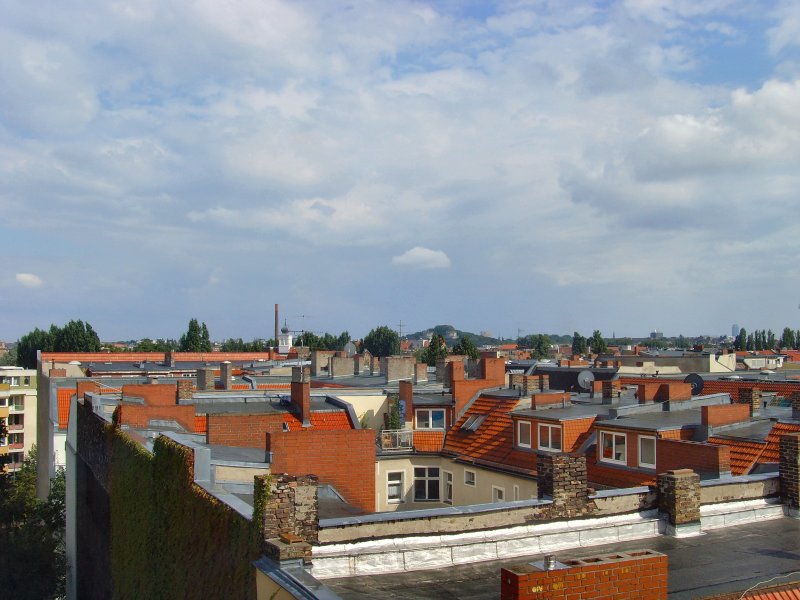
(18,411)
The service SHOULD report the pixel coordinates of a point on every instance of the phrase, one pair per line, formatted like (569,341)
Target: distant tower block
(735,330)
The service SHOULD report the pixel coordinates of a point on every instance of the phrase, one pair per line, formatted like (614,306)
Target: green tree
(75,336)
(9,359)
(539,344)
(787,338)
(682,342)
(32,562)
(148,345)
(382,341)
(770,340)
(750,343)
(466,347)
(597,343)
(579,344)
(29,343)
(196,338)
(741,340)
(437,349)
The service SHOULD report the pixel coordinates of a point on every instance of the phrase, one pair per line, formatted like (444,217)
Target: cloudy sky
(543,166)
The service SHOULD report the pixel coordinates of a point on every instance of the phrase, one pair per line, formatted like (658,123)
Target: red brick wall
(154,394)
(662,391)
(494,375)
(724,414)
(542,399)
(639,575)
(345,459)
(245,430)
(138,415)
(701,457)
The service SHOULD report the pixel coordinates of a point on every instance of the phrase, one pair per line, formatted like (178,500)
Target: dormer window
(430,418)
(524,434)
(550,437)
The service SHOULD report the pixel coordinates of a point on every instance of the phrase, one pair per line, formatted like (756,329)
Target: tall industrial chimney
(276,325)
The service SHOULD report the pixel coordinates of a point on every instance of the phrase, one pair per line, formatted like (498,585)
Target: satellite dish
(585,379)
(696,381)
(350,348)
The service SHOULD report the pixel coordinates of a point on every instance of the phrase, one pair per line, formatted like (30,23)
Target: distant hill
(451,335)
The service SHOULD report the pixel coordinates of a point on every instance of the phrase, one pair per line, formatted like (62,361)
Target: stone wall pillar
(790,473)
(679,501)
(751,396)
(226,375)
(289,508)
(205,378)
(185,389)
(795,402)
(562,478)
(420,373)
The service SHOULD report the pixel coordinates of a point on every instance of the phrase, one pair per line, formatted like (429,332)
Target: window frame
(613,435)
(430,412)
(515,492)
(389,483)
(639,448)
(520,443)
(448,487)
(428,478)
(549,447)
(495,490)
(474,474)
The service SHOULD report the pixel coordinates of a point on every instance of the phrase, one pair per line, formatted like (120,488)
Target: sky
(512,167)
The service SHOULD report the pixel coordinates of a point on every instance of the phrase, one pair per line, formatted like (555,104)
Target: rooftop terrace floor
(723,560)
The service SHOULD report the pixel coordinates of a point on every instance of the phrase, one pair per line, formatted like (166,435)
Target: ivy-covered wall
(169,538)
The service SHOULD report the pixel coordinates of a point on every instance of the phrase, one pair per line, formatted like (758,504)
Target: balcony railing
(396,439)
(15,427)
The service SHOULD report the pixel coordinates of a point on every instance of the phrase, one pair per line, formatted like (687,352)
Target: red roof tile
(64,397)
(743,453)
(772,451)
(493,442)
(428,441)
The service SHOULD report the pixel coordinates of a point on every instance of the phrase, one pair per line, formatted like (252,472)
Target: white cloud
(422,258)
(29,280)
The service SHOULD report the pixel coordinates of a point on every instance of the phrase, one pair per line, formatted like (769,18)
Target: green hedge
(170,538)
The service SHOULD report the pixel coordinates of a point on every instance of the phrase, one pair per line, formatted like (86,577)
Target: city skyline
(618,166)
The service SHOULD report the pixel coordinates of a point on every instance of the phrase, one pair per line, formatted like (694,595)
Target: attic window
(473,422)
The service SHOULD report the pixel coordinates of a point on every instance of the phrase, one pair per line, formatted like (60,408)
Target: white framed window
(516,492)
(613,447)
(426,484)
(448,487)
(498,494)
(549,437)
(394,486)
(647,451)
(430,418)
(524,434)
(469,477)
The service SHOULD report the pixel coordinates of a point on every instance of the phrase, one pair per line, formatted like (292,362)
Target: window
(524,434)
(516,492)
(426,484)
(549,437)
(394,486)
(448,487)
(498,494)
(647,451)
(18,402)
(472,423)
(612,447)
(430,418)
(469,478)
(26,380)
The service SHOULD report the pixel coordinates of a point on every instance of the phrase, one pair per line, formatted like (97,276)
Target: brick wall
(663,391)
(705,459)
(154,394)
(619,576)
(724,414)
(790,471)
(493,371)
(345,459)
(245,430)
(544,399)
(137,415)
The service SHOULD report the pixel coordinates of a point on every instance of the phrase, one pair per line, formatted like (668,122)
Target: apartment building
(18,410)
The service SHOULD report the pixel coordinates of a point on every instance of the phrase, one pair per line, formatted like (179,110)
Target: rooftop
(725,560)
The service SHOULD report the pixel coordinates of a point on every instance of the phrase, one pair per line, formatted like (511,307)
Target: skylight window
(473,422)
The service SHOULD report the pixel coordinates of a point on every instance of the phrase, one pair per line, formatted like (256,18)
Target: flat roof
(722,560)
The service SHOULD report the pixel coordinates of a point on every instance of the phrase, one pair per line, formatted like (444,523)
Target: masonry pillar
(205,378)
(184,390)
(751,396)
(679,501)
(407,398)
(420,373)
(226,375)
(795,400)
(301,394)
(288,510)
(789,468)
(562,478)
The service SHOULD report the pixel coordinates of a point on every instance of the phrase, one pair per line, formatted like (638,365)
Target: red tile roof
(493,441)
(329,421)
(64,396)
(428,441)
(743,453)
(772,451)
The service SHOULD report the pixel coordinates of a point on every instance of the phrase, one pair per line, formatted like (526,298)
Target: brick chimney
(226,374)
(205,378)
(751,396)
(407,397)
(169,359)
(301,393)
(796,406)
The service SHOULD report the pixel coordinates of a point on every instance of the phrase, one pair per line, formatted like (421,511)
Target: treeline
(765,340)
(75,336)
